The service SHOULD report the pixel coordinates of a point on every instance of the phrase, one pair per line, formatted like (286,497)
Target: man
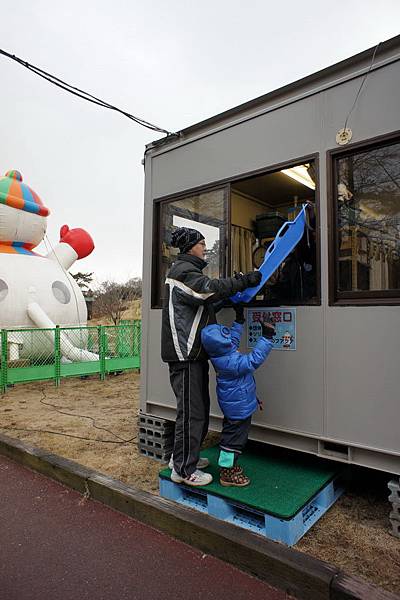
(188,308)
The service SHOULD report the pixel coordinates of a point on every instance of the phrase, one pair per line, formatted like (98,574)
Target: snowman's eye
(61,292)
(3,289)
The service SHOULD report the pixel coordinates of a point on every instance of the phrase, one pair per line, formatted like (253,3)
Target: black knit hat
(185,238)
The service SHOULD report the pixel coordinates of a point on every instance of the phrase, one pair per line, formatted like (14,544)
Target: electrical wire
(78,437)
(82,94)
(361,85)
(56,408)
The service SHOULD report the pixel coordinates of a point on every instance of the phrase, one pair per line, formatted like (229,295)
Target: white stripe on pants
(189,381)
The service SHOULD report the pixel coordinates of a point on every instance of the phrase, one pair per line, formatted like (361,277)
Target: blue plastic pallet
(285,241)
(287,531)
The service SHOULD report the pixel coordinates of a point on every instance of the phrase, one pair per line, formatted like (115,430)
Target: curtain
(242,249)
(379,256)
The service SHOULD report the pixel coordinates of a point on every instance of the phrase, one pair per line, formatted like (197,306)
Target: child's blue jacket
(236,388)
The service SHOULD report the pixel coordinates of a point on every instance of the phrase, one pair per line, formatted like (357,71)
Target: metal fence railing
(39,354)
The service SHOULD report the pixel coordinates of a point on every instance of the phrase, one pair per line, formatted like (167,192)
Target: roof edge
(289,88)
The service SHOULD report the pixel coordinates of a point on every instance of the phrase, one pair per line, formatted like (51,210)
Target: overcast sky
(171,62)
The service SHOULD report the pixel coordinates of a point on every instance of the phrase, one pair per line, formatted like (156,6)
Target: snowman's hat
(16,194)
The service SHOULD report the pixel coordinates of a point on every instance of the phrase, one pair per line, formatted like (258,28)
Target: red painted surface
(55,545)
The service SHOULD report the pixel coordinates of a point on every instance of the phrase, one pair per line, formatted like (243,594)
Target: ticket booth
(331,140)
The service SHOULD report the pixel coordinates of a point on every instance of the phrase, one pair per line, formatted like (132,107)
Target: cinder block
(155,434)
(395,527)
(394,487)
(156,424)
(161,456)
(395,514)
(156,437)
(155,444)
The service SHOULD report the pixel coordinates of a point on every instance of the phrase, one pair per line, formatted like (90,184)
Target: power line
(82,94)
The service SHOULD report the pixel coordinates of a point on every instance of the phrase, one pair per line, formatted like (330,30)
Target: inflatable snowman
(37,291)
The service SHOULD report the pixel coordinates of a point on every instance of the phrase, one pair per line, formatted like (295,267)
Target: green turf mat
(282,482)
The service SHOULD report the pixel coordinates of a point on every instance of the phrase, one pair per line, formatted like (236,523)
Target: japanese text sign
(284,320)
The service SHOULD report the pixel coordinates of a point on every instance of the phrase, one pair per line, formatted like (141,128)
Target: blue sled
(286,239)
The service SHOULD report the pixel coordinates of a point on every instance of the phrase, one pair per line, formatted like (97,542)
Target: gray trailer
(332,139)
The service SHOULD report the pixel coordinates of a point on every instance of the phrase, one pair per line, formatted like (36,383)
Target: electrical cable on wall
(82,94)
(345,134)
(362,84)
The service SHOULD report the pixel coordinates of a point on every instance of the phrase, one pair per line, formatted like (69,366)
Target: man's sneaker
(195,479)
(202,463)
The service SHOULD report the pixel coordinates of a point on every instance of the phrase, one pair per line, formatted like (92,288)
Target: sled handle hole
(284,230)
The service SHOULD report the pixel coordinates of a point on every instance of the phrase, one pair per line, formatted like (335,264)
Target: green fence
(40,354)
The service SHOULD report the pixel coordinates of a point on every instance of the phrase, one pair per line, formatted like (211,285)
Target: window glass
(368,221)
(205,212)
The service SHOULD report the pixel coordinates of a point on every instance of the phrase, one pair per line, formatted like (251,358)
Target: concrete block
(395,530)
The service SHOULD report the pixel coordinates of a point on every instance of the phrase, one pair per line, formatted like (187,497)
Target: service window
(366,215)
(260,205)
(205,211)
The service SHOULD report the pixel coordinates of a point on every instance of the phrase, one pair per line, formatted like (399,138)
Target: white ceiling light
(301,175)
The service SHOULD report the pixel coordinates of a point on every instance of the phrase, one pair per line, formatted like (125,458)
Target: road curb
(302,576)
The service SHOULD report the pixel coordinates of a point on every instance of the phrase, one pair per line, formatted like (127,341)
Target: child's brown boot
(233,476)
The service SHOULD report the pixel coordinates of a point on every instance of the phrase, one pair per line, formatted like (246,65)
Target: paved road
(55,545)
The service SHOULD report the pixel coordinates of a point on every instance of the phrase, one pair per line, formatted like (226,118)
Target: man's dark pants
(189,380)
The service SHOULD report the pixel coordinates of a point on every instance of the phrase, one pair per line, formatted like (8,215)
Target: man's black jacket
(189,296)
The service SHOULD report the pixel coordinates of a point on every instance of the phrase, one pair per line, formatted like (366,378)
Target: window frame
(361,297)
(158,203)
(226,184)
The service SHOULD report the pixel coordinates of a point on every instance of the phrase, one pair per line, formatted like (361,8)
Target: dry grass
(132,312)
(113,404)
(353,535)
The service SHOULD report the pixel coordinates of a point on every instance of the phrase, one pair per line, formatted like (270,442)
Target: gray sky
(173,63)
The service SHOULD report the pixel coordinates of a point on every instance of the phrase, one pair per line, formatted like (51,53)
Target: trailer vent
(334,450)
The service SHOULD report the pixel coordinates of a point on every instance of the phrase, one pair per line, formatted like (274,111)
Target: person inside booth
(295,281)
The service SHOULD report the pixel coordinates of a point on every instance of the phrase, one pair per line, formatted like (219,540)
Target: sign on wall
(284,320)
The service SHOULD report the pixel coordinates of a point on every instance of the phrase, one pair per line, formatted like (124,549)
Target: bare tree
(111,299)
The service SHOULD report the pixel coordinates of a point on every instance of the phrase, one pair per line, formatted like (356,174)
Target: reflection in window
(205,212)
(368,209)
(211,235)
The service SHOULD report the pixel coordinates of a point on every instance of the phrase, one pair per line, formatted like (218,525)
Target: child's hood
(217,340)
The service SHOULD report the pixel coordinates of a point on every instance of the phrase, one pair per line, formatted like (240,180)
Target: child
(236,389)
